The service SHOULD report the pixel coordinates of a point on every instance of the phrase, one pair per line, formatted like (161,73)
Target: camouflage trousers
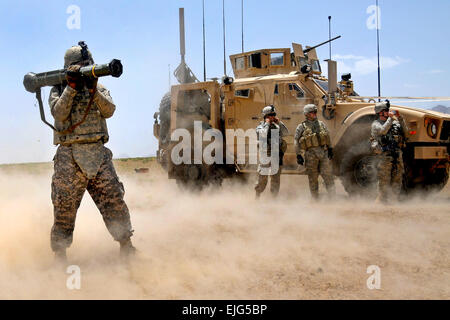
(261,184)
(317,162)
(390,176)
(68,187)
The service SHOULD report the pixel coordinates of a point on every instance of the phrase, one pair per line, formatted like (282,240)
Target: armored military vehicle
(290,79)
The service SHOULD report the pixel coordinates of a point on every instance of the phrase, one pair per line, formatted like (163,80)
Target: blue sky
(144,35)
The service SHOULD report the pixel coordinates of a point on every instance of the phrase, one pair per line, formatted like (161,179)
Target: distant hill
(441,108)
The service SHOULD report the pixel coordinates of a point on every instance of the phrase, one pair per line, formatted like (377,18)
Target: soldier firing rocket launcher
(33,82)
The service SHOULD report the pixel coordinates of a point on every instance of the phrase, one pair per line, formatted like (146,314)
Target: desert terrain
(224,244)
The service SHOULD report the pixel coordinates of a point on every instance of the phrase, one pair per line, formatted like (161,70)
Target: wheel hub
(366,171)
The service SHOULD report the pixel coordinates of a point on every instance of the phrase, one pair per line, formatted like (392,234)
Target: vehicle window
(243,93)
(275,90)
(303,61)
(277,59)
(240,63)
(316,66)
(293,61)
(255,60)
(299,92)
(324,85)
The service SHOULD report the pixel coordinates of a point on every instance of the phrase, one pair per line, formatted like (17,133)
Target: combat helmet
(309,108)
(381,106)
(269,111)
(78,54)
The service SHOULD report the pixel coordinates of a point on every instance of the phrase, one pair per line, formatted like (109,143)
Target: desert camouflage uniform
(316,156)
(83,162)
(263,130)
(387,137)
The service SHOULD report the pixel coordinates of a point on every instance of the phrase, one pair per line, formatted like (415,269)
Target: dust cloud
(224,244)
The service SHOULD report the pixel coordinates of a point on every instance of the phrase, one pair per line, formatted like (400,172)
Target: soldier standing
(313,137)
(82,161)
(389,132)
(270,127)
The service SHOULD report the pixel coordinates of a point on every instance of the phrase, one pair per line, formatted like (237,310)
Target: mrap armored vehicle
(290,79)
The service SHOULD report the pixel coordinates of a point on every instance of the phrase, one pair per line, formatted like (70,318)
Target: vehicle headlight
(432,129)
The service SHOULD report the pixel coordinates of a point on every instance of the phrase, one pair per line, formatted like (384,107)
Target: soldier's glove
(300,159)
(91,83)
(74,77)
(330,153)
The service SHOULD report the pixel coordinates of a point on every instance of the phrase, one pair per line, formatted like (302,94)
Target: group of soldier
(314,150)
(82,162)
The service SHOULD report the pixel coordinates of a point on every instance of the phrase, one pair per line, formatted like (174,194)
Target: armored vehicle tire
(195,177)
(438,180)
(358,171)
(433,180)
(164,116)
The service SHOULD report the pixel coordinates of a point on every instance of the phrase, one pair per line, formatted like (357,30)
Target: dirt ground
(223,244)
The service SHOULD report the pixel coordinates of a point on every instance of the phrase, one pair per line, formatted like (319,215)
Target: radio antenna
(204,43)
(169,78)
(242,23)
(329,32)
(224,49)
(182,41)
(378,52)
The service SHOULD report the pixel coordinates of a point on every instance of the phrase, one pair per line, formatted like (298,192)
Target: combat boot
(126,248)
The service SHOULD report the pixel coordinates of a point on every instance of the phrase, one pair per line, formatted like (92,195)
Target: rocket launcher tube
(34,81)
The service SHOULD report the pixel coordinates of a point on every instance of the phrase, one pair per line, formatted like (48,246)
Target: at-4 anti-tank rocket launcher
(33,82)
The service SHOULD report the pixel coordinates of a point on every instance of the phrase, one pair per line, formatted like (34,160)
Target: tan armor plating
(93,129)
(310,139)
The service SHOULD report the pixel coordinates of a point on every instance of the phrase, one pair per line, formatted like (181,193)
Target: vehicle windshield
(324,85)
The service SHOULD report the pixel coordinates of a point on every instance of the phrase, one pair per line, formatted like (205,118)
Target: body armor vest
(394,140)
(282,145)
(314,135)
(93,129)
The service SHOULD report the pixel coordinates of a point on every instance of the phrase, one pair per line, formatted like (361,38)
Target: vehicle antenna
(224,50)
(329,32)
(182,40)
(204,43)
(378,53)
(242,23)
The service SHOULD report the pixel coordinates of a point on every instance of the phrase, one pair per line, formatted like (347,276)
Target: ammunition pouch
(311,139)
(324,138)
(302,142)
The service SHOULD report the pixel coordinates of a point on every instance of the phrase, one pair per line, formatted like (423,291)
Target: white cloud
(436,71)
(365,65)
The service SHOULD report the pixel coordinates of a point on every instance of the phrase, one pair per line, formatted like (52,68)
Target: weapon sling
(74,126)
